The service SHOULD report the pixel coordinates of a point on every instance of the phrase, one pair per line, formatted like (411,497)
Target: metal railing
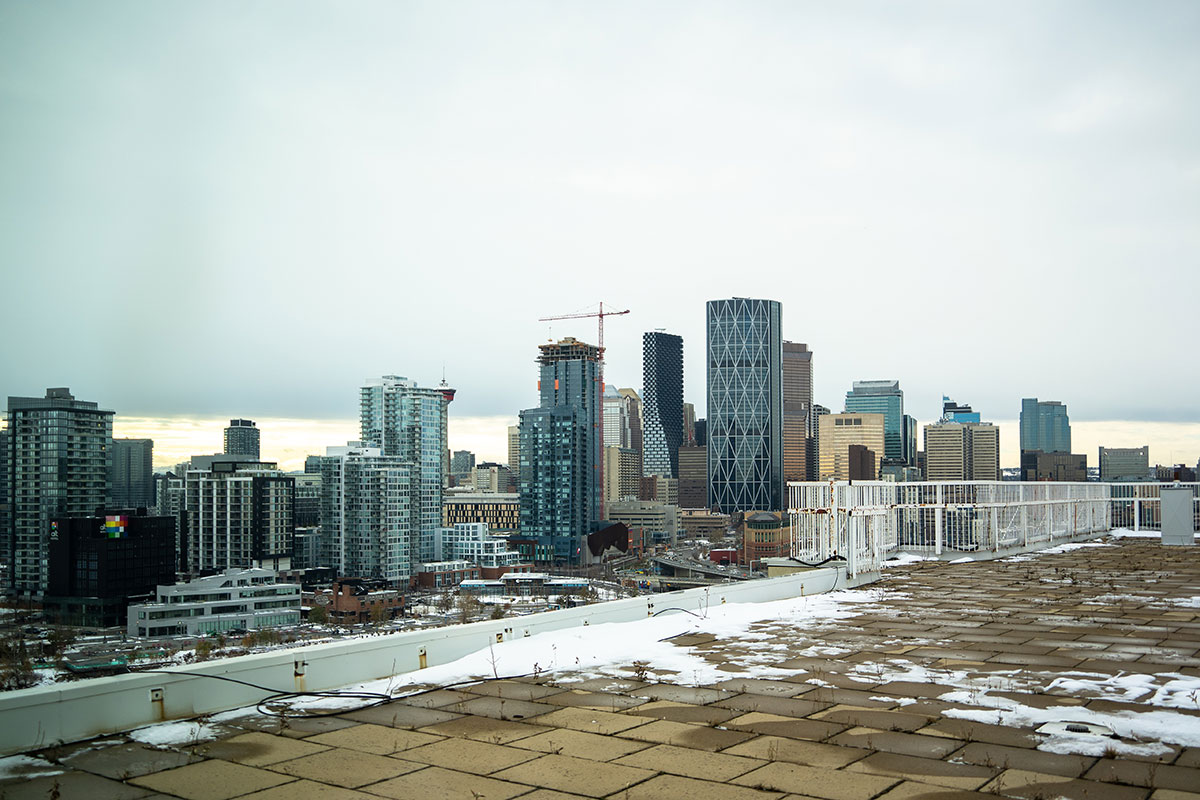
(864,521)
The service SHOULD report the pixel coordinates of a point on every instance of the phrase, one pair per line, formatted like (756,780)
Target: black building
(131,473)
(98,563)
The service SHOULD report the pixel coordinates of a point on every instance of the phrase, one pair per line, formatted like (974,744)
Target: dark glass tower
(745,405)
(662,403)
(560,452)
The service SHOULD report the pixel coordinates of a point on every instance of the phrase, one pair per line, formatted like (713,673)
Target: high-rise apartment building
(689,425)
(886,397)
(369,522)
(745,405)
(514,447)
(241,439)
(5,508)
(622,471)
(662,403)
(408,422)
(797,404)
(634,410)
(962,451)
(560,453)
(131,479)
(239,514)
(1125,463)
(1045,426)
(839,432)
(58,464)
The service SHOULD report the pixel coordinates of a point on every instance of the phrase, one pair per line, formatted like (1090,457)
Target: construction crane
(600,315)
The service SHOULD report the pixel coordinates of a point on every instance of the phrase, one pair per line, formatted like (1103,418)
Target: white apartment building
(245,599)
(470,541)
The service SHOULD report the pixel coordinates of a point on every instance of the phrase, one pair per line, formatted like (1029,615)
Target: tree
(204,649)
(59,640)
(468,606)
(379,614)
(16,669)
(445,602)
(318,615)
(498,611)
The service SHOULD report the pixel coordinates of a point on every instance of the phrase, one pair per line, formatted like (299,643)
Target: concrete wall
(68,712)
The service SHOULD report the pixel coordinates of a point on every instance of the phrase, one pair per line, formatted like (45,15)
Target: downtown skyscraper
(745,405)
(408,422)
(1045,426)
(662,403)
(899,429)
(560,452)
(59,457)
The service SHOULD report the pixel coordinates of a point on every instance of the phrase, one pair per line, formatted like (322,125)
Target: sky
(244,209)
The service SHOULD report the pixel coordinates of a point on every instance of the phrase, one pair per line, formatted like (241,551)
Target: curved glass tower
(662,403)
(745,405)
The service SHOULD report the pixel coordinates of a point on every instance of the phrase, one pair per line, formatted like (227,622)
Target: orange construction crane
(600,315)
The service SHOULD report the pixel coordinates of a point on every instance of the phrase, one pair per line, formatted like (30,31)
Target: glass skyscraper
(745,405)
(662,403)
(1045,426)
(408,422)
(560,452)
(886,397)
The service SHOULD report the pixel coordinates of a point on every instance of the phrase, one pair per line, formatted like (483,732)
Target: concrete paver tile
(1174,794)
(873,718)
(435,782)
(395,715)
(1140,773)
(925,770)
(602,701)
(674,787)
(816,782)
(374,739)
(691,763)
(995,755)
(515,690)
(347,768)
(501,708)
(796,751)
(568,774)
(307,790)
(485,729)
(438,698)
(211,780)
(775,725)
(258,749)
(129,760)
(71,785)
(783,706)
(683,694)
(584,719)
(1036,785)
(969,731)
(912,790)
(469,755)
(567,742)
(683,712)
(761,686)
(909,744)
(697,737)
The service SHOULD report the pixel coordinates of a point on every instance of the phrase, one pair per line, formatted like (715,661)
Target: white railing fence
(864,521)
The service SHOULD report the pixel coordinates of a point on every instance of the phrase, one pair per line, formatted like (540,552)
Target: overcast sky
(220,208)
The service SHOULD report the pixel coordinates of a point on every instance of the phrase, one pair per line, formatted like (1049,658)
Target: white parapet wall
(71,712)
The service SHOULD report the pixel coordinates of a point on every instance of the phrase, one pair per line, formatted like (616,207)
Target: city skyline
(202,172)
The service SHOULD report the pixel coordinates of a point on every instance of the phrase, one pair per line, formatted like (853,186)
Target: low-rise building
(236,599)
(703,524)
(442,574)
(471,541)
(765,534)
(660,521)
(352,600)
(524,585)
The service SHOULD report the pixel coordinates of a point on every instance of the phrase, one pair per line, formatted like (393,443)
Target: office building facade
(131,479)
(886,398)
(58,465)
(797,405)
(693,477)
(241,439)
(1045,426)
(839,432)
(662,403)
(745,405)
(962,451)
(1125,463)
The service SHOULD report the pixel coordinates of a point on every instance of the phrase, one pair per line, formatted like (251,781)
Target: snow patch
(175,733)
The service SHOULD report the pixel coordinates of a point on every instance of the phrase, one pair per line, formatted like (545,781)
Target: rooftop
(933,682)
